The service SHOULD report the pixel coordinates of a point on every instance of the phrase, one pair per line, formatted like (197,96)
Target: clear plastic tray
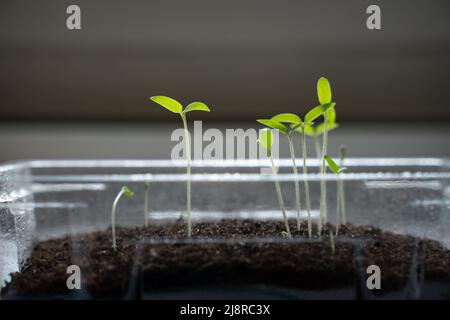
(43,199)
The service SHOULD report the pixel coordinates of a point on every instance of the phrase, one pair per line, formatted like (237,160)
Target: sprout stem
(297,188)
(305,172)
(146,187)
(341,194)
(187,145)
(323,187)
(280,197)
(317,147)
(113,218)
(338,205)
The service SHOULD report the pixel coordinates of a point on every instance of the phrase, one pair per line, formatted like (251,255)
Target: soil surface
(147,261)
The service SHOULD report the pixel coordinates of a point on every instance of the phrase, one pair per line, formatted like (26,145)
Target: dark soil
(146,261)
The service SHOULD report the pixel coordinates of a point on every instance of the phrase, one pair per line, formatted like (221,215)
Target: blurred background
(84,93)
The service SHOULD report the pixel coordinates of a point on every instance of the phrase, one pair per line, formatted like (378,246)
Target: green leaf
(333,166)
(316,112)
(196,106)
(331,115)
(307,129)
(274,125)
(168,103)
(127,191)
(330,126)
(287,118)
(294,127)
(324,91)
(266,139)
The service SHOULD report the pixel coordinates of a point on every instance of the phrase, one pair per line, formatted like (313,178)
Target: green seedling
(302,129)
(266,140)
(322,110)
(146,187)
(293,121)
(176,107)
(340,209)
(126,192)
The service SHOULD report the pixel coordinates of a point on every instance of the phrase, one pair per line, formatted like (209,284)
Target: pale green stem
(280,197)
(317,147)
(146,205)
(343,213)
(342,197)
(297,188)
(307,196)
(338,205)
(187,145)
(113,218)
(323,187)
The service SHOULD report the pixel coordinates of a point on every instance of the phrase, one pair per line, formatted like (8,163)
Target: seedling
(324,109)
(340,209)
(266,140)
(125,191)
(176,107)
(146,187)
(277,123)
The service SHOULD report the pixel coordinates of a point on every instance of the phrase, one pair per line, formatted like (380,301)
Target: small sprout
(126,192)
(146,187)
(176,107)
(266,140)
(340,210)
(325,110)
(293,122)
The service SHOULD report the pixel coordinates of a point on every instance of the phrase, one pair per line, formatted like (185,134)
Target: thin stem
(113,218)
(317,147)
(342,195)
(323,187)
(280,198)
(146,186)
(187,145)
(338,205)
(343,213)
(297,188)
(307,196)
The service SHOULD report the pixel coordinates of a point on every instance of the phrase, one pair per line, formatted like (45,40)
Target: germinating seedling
(324,95)
(176,107)
(126,192)
(277,123)
(146,187)
(340,209)
(266,141)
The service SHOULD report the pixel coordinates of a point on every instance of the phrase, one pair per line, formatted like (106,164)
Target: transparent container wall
(50,199)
